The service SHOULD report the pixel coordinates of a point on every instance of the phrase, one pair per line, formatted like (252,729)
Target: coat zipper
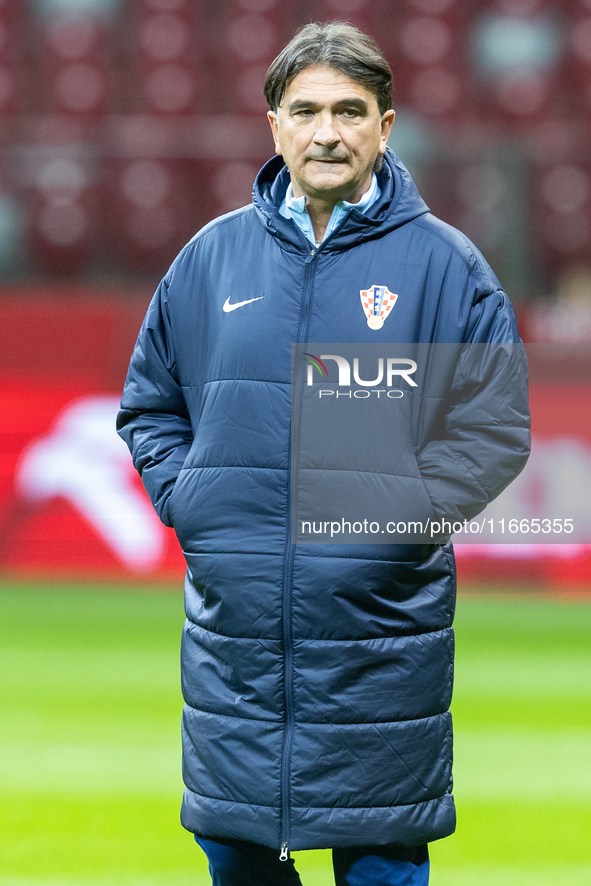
(289,555)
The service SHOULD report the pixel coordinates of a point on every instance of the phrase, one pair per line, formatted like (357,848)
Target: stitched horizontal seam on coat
(262,381)
(319,556)
(341,727)
(422,803)
(318,470)
(213,713)
(239,802)
(239,467)
(194,624)
(324,725)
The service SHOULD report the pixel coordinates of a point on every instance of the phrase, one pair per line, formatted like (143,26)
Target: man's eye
(350,112)
(304,112)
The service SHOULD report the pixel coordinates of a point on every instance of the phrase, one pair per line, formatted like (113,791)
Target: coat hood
(399,202)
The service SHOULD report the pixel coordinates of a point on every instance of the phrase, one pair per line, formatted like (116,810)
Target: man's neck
(320,211)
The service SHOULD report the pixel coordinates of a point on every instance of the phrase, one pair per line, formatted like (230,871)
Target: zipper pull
(284,854)
(311,256)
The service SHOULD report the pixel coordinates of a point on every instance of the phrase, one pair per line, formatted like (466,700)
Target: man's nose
(326,131)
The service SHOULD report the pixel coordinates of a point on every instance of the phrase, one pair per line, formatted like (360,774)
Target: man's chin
(331,186)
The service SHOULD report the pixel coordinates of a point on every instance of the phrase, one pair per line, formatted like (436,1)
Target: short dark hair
(336,45)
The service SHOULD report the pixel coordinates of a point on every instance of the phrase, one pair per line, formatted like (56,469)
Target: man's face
(329,130)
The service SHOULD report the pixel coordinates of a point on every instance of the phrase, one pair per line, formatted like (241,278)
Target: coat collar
(398,203)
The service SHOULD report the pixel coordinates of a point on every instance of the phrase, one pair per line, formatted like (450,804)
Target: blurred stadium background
(125,125)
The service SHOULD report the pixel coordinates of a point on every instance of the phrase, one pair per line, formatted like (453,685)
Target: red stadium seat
(148,197)
(560,212)
(426,47)
(253,31)
(516,50)
(63,202)
(166,58)
(577,62)
(12,62)
(74,73)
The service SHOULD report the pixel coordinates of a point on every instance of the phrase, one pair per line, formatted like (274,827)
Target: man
(317,678)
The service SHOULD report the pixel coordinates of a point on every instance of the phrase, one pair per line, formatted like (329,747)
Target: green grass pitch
(90,750)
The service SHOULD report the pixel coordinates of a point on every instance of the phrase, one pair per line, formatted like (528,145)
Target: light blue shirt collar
(294,208)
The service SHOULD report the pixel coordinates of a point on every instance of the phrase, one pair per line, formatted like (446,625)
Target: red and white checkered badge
(377,303)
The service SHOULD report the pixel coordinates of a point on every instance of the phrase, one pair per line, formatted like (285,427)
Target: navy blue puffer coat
(317,678)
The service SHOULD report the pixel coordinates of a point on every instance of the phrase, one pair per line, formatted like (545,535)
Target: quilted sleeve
(486,429)
(153,419)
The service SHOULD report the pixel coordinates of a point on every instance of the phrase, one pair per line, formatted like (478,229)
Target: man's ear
(272,118)
(386,126)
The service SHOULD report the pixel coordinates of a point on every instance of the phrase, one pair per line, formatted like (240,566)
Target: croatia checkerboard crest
(377,303)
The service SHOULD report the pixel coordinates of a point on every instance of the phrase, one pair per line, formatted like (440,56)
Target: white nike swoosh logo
(228,307)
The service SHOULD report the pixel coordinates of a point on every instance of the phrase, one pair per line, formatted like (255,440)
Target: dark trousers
(233,863)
